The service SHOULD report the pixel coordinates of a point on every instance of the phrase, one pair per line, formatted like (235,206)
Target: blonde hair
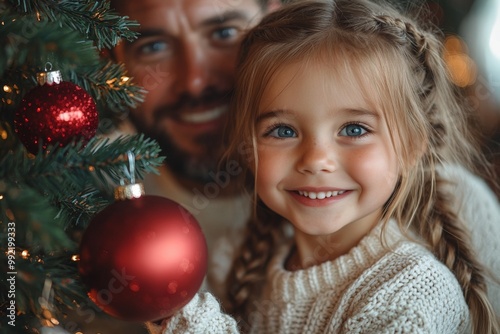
(398,64)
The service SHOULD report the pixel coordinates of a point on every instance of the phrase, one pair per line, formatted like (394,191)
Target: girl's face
(325,158)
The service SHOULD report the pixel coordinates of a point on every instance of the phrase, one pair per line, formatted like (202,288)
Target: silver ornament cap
(49,77)
(129,191)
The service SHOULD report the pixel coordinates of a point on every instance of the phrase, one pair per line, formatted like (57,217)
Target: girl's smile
(318,197)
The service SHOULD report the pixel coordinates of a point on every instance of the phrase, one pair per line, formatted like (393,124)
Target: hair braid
(438,224)
(262,231)
(450,242)
(425,45)
(419,43)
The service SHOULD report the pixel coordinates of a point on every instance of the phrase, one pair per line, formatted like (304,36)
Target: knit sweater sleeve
(202,315)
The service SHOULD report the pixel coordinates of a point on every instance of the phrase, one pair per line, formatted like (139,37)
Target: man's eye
(152,47)
(353,130)
(225,33)
(282,132)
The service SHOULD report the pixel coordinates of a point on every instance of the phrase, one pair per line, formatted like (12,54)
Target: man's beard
(196,168)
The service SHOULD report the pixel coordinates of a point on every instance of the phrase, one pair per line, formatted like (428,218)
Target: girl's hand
(201,315)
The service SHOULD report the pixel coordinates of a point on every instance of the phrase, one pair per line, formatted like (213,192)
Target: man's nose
(316,157)
(194,74)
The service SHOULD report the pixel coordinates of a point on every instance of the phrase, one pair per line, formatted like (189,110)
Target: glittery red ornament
(56,111)
(143,258)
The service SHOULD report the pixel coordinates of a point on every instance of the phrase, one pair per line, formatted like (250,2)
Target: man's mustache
(186,101)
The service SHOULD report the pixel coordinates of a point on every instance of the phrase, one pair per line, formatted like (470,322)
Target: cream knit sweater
(369,290)
(372,289)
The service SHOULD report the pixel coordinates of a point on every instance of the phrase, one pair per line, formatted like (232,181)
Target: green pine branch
(63,188)
(52,196)
(94,19)
(112,157)
(37,224)
(54,278)
(30,44)
(36,192)
(111,88)
(27,46)
(68,170)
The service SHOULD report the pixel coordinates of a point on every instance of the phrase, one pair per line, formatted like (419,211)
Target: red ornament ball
(55,113)
(143,259)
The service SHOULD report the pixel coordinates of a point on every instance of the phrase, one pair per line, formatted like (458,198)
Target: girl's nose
(316,157)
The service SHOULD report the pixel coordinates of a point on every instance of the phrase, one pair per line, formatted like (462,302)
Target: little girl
(352,135)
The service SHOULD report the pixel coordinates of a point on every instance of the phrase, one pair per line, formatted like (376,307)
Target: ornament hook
(48,66)
(48,76)
(132,190)
(131,162)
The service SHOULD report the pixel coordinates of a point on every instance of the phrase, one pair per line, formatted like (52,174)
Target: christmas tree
(53,183)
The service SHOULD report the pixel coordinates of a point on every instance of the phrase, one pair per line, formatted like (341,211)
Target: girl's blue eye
(282,131)
(353,130)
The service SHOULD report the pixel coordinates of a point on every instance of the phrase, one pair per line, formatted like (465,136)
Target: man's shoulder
(463,182)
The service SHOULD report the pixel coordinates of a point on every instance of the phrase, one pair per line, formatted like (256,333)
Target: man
(185,59)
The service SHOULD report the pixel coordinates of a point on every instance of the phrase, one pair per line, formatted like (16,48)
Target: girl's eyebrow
(350,111)
(362,112)
(270,114)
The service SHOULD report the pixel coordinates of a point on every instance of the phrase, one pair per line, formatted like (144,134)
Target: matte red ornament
(143,259)
(55,112)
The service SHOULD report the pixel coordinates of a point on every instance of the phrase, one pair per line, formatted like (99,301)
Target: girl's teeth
(321,194)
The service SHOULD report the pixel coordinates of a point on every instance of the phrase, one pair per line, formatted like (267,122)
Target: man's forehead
(199,7)
(175,16)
